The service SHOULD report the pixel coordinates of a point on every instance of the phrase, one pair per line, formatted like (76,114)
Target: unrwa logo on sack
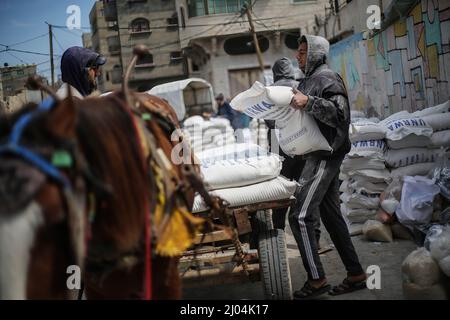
(259,108)
(369,143)
(293,137)
(417,122)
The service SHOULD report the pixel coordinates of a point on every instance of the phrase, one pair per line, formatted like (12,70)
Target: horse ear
(63,118)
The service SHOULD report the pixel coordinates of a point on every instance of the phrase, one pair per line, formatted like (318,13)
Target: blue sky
(22,20)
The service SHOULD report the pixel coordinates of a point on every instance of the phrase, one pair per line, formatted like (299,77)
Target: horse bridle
(69,158)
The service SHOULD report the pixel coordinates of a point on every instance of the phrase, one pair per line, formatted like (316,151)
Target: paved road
(388,256)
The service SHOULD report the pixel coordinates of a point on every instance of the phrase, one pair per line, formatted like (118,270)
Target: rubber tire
(264,220)
(274,266)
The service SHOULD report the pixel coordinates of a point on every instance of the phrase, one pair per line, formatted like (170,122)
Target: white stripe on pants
(301,221)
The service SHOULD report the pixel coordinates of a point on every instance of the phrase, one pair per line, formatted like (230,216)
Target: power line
(14,56)
(26,41)
(29,52)
(59,44)
(169,26)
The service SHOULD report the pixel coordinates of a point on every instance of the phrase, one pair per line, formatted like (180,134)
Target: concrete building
(105,40)
(153,23)
(13,78)
(215,37)
(86,38)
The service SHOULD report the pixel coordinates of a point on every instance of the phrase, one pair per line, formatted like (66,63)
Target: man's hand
(299,100)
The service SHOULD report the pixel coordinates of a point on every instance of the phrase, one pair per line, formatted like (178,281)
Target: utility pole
(248,8)
(50,37)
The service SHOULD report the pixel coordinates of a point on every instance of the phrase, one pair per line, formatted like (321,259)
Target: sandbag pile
(259,133)
(414,140)
(364,174)
(242,174)
(206,134)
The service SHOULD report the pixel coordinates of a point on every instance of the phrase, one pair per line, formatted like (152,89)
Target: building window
(173,20)
(140,25)
(20,72)
(183,19)
(145,62)
(113,44)
(107,76)
(244,45)
(112,25)
(291,39)
(6,74)
(176,57)
(207,7)
(116,74)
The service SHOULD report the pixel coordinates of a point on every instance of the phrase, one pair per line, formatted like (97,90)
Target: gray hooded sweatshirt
(327,98)
(284,73)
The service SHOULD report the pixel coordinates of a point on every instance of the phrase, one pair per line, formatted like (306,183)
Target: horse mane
(108,139)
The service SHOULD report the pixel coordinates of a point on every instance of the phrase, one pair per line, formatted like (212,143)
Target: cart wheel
(274,266)
(264,220)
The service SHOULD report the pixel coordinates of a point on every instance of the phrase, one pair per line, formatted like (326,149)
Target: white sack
(370,175)
(299,134)
(364,186)
(369,149)
(192,121)
(400,128)
(356,201)
(243,172)
(360,215)
(362,163)
(260,102)
(275,189)
(418,169)
(405,157)
(440,108)
(439,121)
(411,141)
(440,139)
(231,152)
(365,130)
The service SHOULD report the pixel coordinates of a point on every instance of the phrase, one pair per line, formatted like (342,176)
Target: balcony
(110,10)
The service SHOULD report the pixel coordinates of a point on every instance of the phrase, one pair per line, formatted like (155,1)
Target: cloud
(20,24)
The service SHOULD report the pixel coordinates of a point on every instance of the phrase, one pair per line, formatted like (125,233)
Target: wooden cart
(213,261)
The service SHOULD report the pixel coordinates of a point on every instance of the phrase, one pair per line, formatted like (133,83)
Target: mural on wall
(405,67)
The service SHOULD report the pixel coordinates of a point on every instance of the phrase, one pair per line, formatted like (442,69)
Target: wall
(405,67)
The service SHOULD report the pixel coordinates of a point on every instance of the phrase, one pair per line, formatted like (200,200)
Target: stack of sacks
(438,118)
(243,174)
(363,173)
(259,133)
(205,134)
(408,137)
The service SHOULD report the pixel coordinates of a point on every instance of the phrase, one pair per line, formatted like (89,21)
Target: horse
(89,184)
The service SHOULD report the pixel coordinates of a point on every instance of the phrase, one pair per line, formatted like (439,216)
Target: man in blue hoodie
(80,68)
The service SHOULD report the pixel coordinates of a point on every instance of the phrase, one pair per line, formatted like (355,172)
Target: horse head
(41,196)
